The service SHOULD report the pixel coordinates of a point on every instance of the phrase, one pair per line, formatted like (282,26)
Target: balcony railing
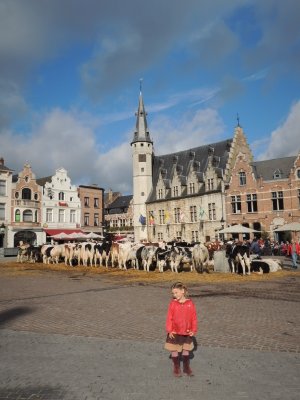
(27,203)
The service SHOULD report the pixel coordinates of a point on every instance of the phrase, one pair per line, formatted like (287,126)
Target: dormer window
(277,174)
(160,193)
(192,187)
(175,191)
(210,184)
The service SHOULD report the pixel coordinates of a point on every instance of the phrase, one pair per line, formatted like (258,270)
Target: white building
(5,201)
(180,195)
(61,205)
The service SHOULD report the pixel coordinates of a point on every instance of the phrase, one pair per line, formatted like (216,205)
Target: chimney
(1,161)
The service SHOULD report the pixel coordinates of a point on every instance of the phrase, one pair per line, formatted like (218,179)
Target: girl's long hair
(180,285)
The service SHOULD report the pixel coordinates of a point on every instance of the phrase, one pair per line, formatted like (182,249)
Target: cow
(179,256)
(22,251)
(238,255)
(265,265)
(101,253)
(162,256)
(114,254)
(45,251)
(56,253)
(86,253)
(124,251)
(200,258)
(146,257)
(72,252)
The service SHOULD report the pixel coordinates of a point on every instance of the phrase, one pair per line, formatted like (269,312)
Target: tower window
(142,157)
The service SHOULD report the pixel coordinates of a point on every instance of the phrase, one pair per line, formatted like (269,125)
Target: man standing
(294,251)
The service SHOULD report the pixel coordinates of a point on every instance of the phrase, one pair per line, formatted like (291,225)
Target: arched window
(36,216)
(17,216)
(27,216)
(61,196)
(24,236)
(26,194)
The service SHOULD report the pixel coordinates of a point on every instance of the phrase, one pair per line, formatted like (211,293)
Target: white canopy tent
(238,229)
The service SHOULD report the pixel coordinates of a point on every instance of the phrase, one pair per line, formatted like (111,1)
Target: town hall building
(189,195)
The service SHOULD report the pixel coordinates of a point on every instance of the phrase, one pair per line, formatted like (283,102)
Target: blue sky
(70,73)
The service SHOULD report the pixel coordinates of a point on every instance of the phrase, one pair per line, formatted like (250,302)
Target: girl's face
(178,294)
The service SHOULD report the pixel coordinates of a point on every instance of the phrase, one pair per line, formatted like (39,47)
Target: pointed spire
(141,133)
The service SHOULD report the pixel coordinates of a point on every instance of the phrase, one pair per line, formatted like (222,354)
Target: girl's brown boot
(186,366)
(176,369)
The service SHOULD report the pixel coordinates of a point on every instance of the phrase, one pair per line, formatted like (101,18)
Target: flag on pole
(151,218)
(201,212)
(142,220)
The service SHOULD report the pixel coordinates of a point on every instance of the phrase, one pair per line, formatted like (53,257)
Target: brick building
(264,195)
(92,208)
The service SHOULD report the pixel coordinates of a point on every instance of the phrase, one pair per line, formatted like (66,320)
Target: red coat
(289,252)
(181,317)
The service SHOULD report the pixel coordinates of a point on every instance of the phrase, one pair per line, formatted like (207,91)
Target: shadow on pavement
(14,313)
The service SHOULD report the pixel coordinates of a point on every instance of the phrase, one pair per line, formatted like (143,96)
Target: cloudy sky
(70,72)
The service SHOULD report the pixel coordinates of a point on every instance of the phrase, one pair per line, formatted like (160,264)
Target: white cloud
(192,130)
(284,140)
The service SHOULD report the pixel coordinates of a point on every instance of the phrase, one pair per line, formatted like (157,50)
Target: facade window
(192,187)
(36,196)
(277,201)
(130,222)
(299,198)
(123,222)
(160,193)
(115,223)
(176,215)
(210,184)
(27,216)
(251,203)
(236,204)
(17,216)
(86,219)
(2,187)
(142,194)
(49,215)
(298,173)
(26,194)
(160,236)
(86,202)
(72,216)
(161,214)
(178,235)
(61,215)
(36,216)
(142,157)
(195,236)
(96,202)
(242,178)
(96,219)
(212,211)
(142,169)
(193,213)
(175,191)
(2,211)
(61,196)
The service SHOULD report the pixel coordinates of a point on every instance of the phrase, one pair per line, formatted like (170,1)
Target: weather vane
(238,119)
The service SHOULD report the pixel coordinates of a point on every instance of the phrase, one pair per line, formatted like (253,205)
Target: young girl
(181,325)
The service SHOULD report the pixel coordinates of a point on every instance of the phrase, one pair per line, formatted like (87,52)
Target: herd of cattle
(174,256)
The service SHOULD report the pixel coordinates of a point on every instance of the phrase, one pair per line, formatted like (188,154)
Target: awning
(52,232)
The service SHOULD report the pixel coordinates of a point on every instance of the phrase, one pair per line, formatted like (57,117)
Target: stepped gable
(267,168)
(197,157)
